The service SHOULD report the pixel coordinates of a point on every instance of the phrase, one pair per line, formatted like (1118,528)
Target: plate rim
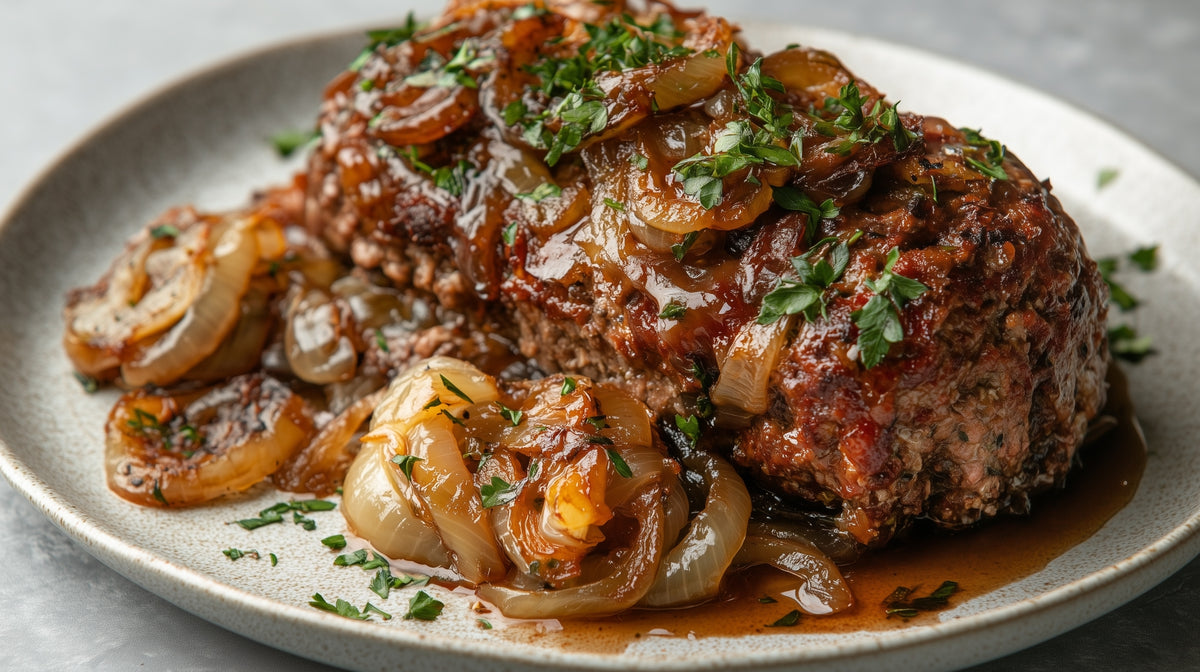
(1165,555)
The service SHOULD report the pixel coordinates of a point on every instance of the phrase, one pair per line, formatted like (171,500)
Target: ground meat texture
(981,405)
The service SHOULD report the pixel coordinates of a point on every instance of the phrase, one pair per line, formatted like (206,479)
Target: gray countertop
(68,65)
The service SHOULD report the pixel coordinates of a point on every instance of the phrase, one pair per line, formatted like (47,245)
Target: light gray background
(66,66)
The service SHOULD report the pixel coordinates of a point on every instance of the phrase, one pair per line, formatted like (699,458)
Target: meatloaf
(874,313)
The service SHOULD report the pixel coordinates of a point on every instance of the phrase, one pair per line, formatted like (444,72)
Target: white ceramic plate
(203,141)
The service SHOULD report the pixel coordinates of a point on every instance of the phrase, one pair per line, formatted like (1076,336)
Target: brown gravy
(980,560)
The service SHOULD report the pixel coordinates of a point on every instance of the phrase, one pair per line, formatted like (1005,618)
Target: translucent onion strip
(691,572)
(376,510)
(318,467)
(448,488)
(822,590)
(747,367)
(208,319)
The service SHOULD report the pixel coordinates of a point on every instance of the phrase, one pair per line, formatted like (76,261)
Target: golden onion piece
(170,300)
(188,448)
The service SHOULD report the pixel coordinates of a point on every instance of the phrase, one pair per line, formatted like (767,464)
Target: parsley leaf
(878,322)
(989,155)
(790,198)
(1125,343)
(673,311)
(900,602)
(690,426)
(287,143)
(542,192)
(499,492)
(388,37)
(787,620)
(406,462)
(335,541)
(424,607)
(806,294)
(619,463)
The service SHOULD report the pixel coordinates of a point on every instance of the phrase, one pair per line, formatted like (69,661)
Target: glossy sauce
(979,560)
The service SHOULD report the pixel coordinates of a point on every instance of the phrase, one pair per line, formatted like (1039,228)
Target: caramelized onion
(625,575)
(822,589)
(747,367)
(317,339)
(692,570)
(319,466)
(177,450)
(407,422)
(376,509)
(209,317)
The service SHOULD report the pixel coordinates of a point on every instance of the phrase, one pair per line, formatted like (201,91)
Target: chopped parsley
(88,383)
(499,492)
(509,234)
(680,249)
(989,155)
(901,603)
(615,205)
(878,322)
(790,198)
(237,554)
(1106,176)
(509,414)
(619,463)
(335,541)
(384,582)
(883,121)
(806,294)
(787,620)
(436,71)
(387,37)
(345,609)
(164,231)
(1125,343)
(674,310)
(765,137)
(575,104)
(381,340)
(568,385)
(406,462)
(274,514)
(690,426)
(542,192)
(423,607)
(287,143)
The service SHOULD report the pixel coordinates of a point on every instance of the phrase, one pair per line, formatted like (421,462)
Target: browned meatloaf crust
(983,403)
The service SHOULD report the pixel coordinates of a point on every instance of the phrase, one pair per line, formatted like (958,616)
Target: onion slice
(178,450)
(376,509)
(319,466)
(631,576)
(691,572)
(747,367)
(822,590)
(208,319)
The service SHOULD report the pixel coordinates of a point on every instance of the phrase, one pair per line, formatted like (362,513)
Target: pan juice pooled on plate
(621,305)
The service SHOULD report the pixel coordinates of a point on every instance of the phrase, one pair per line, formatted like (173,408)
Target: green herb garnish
(423,607)
(406,462)
(989,162)
(499,492)
(674,310)
(690,426)
(806,294)
(878,322)
(619,463)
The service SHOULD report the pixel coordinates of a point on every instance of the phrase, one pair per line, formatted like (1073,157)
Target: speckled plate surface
(203,141)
